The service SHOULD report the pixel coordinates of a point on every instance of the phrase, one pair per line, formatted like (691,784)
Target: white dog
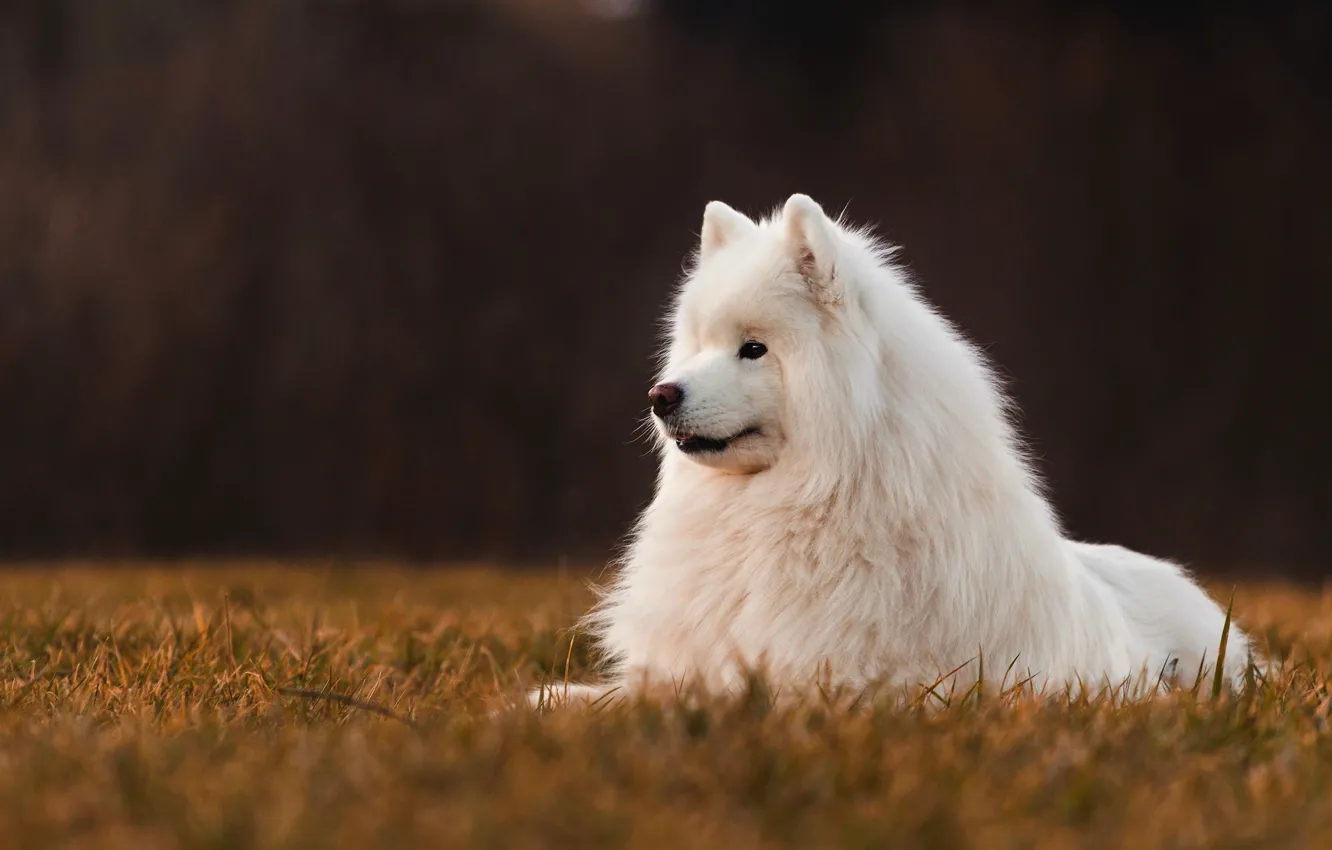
(842,496)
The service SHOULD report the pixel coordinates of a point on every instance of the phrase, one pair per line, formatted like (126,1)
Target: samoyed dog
(842,498)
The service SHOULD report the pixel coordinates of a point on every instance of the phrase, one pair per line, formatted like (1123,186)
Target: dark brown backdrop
(381,277)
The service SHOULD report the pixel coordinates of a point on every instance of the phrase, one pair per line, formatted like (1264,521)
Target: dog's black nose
(665,399)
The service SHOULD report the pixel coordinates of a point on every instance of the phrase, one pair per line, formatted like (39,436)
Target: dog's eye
(752,350)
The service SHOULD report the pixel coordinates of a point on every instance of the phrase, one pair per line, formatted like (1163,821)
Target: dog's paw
(562,694)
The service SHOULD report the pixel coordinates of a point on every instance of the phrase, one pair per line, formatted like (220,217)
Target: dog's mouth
(692,444)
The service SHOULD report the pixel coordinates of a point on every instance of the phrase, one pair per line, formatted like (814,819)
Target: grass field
(159,708)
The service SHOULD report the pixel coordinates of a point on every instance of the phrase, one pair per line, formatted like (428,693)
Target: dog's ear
(813,246)
(721,225)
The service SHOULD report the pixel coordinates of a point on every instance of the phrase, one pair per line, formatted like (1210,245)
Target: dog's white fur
(882,525)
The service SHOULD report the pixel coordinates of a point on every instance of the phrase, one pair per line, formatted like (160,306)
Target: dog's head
(750,334)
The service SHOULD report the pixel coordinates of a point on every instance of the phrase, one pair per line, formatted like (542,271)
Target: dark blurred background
(383,277)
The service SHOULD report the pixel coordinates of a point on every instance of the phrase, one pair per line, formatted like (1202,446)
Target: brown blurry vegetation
(383,276)
(163,708)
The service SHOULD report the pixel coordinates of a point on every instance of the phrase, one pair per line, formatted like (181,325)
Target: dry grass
(149,709)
